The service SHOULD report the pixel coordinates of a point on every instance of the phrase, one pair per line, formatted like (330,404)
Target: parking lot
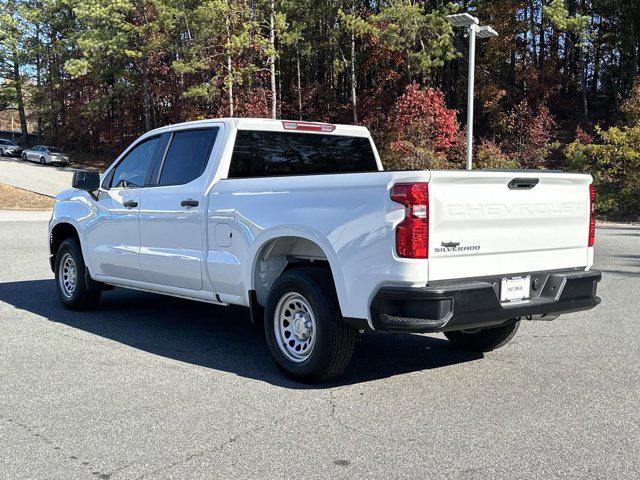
(42,179)
(155,387)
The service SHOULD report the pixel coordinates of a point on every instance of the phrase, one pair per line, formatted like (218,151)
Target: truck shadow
(220,338)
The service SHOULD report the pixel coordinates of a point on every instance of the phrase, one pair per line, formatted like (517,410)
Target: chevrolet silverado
(299,222)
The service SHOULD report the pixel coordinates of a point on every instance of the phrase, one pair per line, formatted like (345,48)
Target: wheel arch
(59,233)
(280,252)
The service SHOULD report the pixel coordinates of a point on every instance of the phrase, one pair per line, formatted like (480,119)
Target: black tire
(334,340)
(24,157)
(42,161)
(1,152)
(86,292)
(486,339)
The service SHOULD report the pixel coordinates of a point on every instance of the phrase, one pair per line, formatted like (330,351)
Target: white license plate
(515,289)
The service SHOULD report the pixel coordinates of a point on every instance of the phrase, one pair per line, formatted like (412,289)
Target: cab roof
(274,125)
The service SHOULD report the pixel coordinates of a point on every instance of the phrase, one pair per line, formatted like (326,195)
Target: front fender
(75,208)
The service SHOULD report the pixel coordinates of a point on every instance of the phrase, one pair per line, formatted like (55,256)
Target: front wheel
(43,161)
(305,332)
(75,291)
(484,339)
(24,157)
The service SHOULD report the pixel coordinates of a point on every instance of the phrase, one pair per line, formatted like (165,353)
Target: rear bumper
(475,303)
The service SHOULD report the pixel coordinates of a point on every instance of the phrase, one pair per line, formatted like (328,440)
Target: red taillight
(592,216)
(308,126)
(412,234)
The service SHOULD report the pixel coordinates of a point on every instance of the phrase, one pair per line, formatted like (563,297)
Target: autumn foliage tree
(92,75)
(422,130)
(612,156)
(529,134)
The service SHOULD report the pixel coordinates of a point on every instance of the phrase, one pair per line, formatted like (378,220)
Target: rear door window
(187,156)
(266,154)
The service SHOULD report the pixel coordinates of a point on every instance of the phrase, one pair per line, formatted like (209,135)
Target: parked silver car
(45,155)
(9,148)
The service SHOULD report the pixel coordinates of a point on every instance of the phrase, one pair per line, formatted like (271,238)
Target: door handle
(190,203)
(130,204)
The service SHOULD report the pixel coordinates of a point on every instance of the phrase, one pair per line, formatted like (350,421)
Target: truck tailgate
(488,223)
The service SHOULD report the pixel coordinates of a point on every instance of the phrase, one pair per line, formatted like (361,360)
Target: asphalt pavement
(43,179)
(154,387)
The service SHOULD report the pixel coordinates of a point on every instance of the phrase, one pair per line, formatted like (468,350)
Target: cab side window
(132,171)
(187,156)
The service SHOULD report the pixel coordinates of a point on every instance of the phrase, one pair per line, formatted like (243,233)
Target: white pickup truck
(299,222)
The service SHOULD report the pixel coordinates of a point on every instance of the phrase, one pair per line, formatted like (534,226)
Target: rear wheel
(484,339)
(42,161)
(1,152)
(75,290)
(304,329)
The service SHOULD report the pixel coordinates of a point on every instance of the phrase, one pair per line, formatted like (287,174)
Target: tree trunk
(39,81)
(299,84)
(24,138)
(532,22)
(583,62)
(567,63)
(541,42)
(272,58)
(230,85)
(354,98)
(634,57)
(279,76)
(596,61)
(596,72)
(229,71)
(146,93)
(583,70)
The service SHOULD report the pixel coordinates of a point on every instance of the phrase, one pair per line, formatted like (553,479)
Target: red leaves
(529,135)
(421,114)
(584,137)
(541,128)
(422,130)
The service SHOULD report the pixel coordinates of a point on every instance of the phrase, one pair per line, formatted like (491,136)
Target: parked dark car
(9,148)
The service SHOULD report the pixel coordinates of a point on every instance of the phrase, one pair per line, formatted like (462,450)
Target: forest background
(558,88)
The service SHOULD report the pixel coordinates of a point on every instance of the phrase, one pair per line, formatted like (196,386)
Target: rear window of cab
(269,154)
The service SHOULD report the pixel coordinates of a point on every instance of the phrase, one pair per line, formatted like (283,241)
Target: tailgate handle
(523,183)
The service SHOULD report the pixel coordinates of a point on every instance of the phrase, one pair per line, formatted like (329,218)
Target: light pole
(474,30)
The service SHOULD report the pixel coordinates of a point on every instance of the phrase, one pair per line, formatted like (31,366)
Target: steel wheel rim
(295,327)
(67,276)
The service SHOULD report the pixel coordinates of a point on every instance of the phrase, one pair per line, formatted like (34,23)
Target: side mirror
(84,180)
